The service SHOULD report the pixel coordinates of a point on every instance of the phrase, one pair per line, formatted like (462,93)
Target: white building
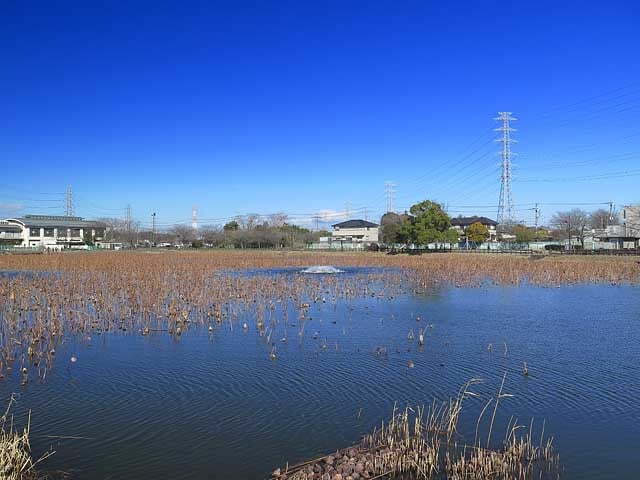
(49,231)
(356,231)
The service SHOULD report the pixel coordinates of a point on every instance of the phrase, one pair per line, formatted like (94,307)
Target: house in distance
(462,223)
(355,231)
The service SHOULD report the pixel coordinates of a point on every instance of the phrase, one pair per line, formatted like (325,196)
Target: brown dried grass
(16,462)
(146,292)
(423,444)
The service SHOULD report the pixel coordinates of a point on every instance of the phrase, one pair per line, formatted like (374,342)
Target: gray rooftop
(466,221)
(53,221)
(355,224)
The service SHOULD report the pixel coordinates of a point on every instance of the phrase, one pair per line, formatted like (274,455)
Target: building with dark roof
(466,221)
(358,230)
(49,231)
(462,223)
(355,224)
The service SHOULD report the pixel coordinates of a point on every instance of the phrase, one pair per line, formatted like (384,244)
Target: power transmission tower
(128,224)
(348,209)
(194,217)
(537,213)
(389,191)
(153,229)
(68,202)
(505,204)
(610,214)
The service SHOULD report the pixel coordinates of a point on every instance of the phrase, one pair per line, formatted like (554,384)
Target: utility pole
(537,216)
(153,229)
(505,203)
(389,191)
(68,202)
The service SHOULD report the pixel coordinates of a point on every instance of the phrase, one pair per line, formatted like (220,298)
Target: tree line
(425,222)
(578,223)
(244,231)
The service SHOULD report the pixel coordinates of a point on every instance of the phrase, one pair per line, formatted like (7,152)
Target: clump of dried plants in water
(425,444)
(16,462)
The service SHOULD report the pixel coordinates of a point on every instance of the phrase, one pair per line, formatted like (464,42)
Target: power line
(299,216)
(90,205)
(445,168)
(589,101)
(621,157)
(603,176)
(455,181)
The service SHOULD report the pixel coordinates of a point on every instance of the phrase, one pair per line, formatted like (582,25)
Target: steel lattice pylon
(505,203)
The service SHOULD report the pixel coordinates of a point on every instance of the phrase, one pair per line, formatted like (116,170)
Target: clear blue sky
(303,106)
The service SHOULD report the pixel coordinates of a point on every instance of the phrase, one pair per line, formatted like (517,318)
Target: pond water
(215,405)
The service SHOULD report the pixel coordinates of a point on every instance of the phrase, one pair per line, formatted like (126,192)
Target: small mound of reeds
(16,462)
(424,444)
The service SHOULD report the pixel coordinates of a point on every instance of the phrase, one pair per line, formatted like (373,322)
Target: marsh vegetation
(227,323)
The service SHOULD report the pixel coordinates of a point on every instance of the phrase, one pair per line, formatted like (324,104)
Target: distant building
(626,235)
(49,231)
(359,231)
(109,245)
(460,224)
(631,223)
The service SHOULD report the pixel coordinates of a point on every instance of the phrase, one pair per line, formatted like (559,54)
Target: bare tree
(184,233)
(212,234)
(251,221)
(115,227)
(602,218)
(118,230)
(573,222)
(278,219)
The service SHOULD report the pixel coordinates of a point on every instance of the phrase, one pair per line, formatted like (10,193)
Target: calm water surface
(215,406)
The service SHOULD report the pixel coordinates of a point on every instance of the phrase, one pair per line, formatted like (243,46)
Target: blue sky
(303,107)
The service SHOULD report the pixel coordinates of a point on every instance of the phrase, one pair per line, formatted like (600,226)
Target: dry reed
(423,444)
(16,462)
(89,294)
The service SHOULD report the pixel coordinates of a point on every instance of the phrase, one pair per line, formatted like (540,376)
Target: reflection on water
(213,405)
